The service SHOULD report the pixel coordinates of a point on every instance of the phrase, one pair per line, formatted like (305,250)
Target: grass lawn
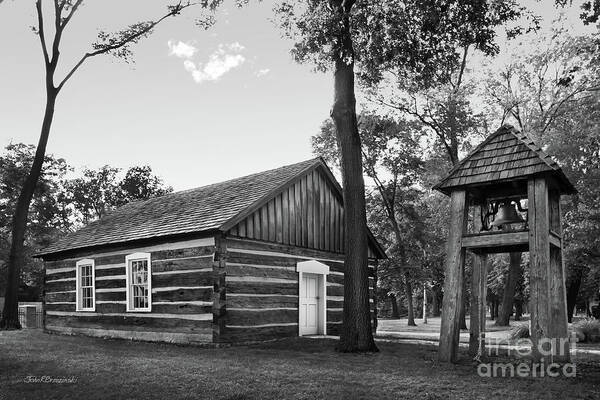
(291,369)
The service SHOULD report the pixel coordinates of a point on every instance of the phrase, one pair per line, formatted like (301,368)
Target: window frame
(79,287)
(129,285)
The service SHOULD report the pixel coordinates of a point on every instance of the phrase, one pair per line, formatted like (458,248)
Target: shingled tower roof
(506,155)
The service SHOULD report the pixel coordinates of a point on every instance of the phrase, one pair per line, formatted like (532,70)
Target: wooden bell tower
(507,170)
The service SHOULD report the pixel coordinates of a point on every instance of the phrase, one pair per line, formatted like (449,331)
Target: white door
(309,304)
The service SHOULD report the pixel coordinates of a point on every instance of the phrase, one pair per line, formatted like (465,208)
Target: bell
(507,214)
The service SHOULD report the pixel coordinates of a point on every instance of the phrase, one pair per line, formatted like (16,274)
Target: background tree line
(64,200)
(412,136)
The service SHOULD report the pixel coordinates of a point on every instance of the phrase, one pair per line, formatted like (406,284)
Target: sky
(197,106)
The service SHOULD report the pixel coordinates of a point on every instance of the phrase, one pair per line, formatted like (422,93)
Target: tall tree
(445,110)
(542,92)
(48,215)
(535,89)
(590,10)
(409,37)
(513,275)
(576,142)
(390,151)
(94,193)
(140,183)
(117,44)
(100,190)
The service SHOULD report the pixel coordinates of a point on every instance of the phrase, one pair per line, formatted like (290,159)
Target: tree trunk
(435,303)
(10,314)
(518,309)
(424,304)
(409,299)
(463,307)
(395,311)
(492,304)
(375,314)
(514,272)
(572,292)
(588,312)
(463,320)
(356,333)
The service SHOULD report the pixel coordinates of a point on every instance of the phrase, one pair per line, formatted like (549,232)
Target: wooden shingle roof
(505,155)
(190,211)
(205,209)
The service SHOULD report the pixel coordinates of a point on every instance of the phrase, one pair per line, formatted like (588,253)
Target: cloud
(235,46)
(181,49)
(220,62)
(262,72)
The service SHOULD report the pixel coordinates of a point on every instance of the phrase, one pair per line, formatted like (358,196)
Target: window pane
(86,297)
(86,275)
(86,284)
(139,283)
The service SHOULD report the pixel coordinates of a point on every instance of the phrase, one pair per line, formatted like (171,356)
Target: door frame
(317,268)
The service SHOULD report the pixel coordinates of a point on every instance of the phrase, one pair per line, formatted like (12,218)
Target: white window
(85,285)
(139,282)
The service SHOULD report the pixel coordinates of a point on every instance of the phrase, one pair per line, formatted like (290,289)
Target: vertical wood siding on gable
(182,291)
(308,214)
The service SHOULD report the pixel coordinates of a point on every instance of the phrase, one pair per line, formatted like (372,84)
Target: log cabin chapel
(251,259)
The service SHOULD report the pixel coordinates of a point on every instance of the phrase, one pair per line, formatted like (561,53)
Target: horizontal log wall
(262,290)
(335,295)
(309,213)
(182,295)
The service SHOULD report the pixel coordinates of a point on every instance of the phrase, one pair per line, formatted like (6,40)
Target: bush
(520,331)
(590,328)
(579,334)
(587,331)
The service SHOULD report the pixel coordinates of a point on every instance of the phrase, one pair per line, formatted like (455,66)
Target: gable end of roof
(506,154)
(212,208)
